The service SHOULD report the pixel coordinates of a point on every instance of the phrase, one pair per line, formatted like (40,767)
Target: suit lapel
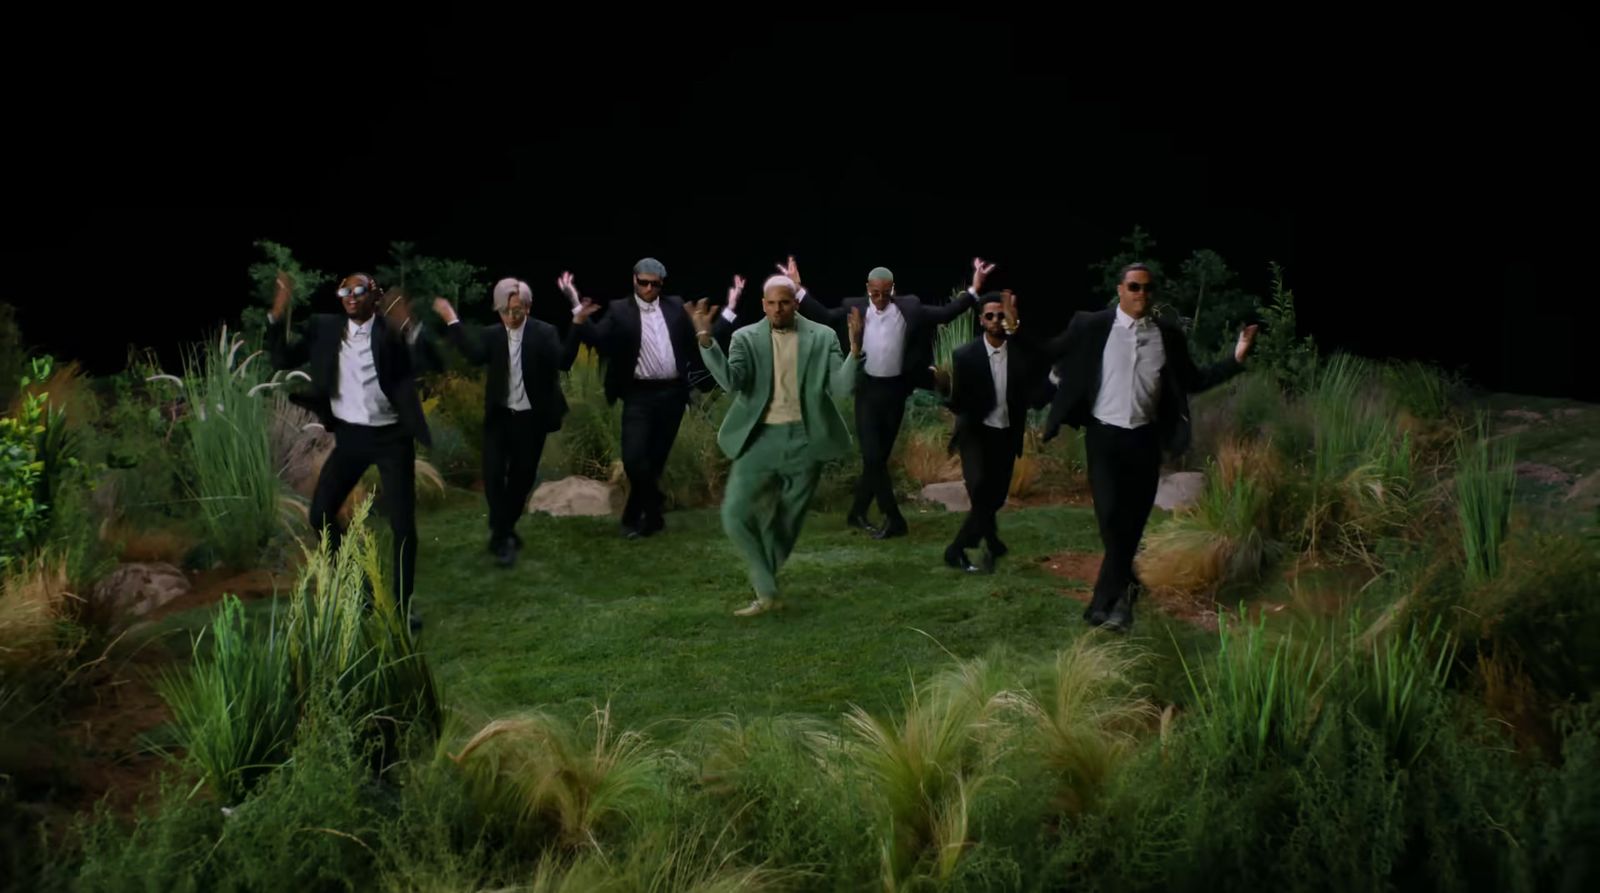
(763,359)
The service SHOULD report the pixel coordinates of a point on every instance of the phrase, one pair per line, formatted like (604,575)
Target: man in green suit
(784,373)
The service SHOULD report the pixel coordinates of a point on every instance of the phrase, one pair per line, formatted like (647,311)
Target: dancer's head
(648,276)
(992,316)
(777,301)
(359,294)
(512,299)
(880,287)
(1135,289)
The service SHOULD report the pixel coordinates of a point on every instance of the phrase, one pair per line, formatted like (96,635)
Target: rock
(573,497)
(1180,489)
(134,590)
(950,494)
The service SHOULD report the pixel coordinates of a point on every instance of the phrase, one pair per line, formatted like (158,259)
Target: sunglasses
(648,283)
(1137,287)
(994,315)
(358,291)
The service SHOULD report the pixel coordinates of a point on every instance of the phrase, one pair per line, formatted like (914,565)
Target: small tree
(1140,246)
(264,275)
(1290,360)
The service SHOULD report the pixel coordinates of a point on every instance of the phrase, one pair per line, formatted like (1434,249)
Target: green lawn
(586,616)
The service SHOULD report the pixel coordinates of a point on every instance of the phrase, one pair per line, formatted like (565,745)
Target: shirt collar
(647,306)
(1124,321)
(994,350)
(362,329)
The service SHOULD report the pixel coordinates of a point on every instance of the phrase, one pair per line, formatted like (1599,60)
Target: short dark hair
(1134,268)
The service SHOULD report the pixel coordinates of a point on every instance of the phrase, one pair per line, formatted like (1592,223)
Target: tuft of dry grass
(36,604)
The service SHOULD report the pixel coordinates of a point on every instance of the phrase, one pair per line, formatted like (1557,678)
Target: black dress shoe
(507,556)
(652,526)
(998,549)
(957,558)
(892,528)
(1120,620)
(1094,616)
(860,522)
(630,532)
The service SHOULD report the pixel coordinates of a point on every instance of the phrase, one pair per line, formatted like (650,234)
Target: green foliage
(228,426)
(1486,480)
(1138,248)
(23,515)
(420,279)
(1279,351)
(303,282)
(233,709)
(237,711)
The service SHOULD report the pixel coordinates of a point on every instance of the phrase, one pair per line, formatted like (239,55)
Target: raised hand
(701,315)
(569,287)
(586,309)
(856,324)
(446,312)
(281,295)
(1247,339)
(734,292)
(792,270)
(980,273)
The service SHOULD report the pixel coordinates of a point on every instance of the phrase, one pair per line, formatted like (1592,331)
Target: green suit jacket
(746,373)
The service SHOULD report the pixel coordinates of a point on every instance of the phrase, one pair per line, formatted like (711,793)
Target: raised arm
(284,355)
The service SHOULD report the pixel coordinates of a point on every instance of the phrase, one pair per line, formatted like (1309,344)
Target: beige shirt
(784,407)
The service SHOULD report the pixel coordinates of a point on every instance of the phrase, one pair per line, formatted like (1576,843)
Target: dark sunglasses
(648,283)
(358,291)
(994,315)
(1137,287)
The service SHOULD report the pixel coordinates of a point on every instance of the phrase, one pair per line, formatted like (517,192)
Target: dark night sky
(1410,180)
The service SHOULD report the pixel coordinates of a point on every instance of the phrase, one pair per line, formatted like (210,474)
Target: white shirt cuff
(800,296)
(271,320)
(1055,378)
(728,314)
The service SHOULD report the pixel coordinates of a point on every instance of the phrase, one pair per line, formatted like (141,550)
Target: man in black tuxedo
(362,389)
(651,362)
(897,358)
(994,380)
(523,403)
(1126,380)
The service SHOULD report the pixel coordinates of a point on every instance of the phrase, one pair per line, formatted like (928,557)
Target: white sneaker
(754,608)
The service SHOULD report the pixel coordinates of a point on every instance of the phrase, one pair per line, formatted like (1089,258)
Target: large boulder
(1180,490)
(571,497)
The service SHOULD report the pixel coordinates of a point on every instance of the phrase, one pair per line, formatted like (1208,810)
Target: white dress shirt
(883,340)
(1000,416)
(1130,373)
(359,400)
(657,362)
(516,391)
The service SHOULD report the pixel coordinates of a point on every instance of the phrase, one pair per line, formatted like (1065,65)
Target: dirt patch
(208,588)
(105,730)
(1544,474)
(1523,415)
(1080,568)
(1077,497)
